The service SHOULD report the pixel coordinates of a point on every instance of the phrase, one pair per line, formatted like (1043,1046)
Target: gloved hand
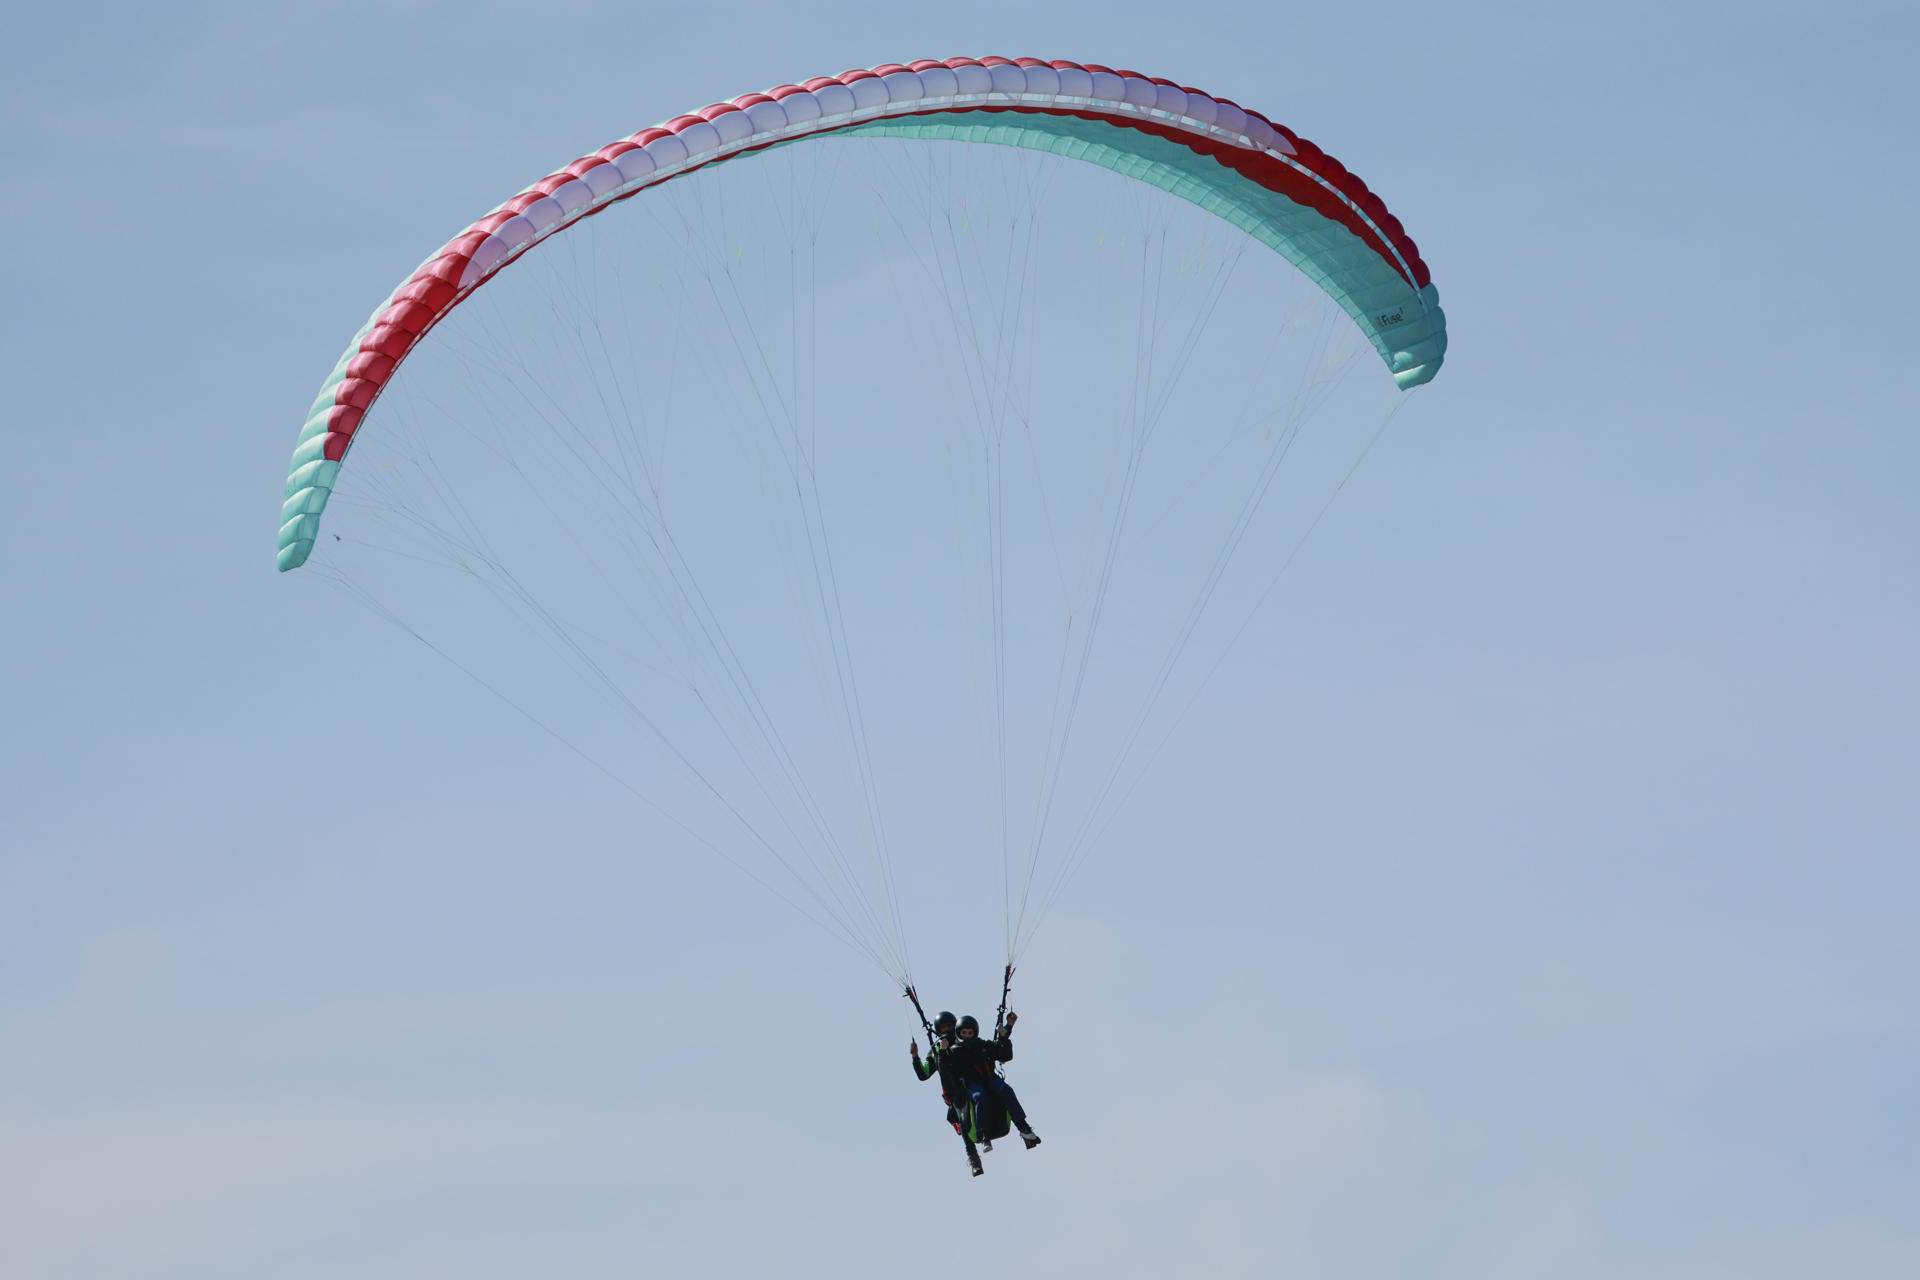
(913,1047)
(1011,1019)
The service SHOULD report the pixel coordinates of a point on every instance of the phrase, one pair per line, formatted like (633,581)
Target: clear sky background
(1540,902)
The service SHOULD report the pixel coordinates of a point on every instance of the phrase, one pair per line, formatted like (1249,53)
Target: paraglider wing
(1235,163)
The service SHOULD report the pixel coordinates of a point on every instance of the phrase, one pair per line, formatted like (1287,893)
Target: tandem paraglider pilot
(981,1105)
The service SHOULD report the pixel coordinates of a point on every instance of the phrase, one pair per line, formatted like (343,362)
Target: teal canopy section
(1405,325)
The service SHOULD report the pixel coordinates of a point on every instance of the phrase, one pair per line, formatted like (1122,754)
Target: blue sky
(1540,901)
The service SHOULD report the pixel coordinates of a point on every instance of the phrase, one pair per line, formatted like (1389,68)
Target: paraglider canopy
(1234,162)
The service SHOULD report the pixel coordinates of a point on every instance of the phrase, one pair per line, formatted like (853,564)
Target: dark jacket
(939,1060)
(975,1059)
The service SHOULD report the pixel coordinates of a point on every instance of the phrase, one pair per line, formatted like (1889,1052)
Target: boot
(1029,1137)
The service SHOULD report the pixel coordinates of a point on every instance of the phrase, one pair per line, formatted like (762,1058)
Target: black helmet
(943,1021)
(970,1023)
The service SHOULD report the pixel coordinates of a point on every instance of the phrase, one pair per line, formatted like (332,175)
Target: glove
(1011,1019)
